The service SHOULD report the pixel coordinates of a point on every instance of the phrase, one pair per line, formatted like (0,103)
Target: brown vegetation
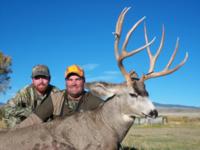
(180,133)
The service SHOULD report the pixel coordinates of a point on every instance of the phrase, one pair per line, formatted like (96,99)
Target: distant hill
(177,110)
(174,106)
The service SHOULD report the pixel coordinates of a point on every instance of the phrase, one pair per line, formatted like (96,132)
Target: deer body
(99,129)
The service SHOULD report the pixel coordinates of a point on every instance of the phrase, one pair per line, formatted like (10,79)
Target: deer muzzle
(153,113)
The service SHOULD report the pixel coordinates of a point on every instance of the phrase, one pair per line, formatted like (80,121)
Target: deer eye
(133,95)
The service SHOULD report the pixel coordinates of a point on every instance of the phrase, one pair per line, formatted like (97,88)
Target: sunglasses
(41,77)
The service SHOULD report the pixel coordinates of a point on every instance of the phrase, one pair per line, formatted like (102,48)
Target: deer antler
(166,70)
(124,52)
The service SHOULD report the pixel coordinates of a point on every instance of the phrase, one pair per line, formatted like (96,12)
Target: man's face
(40,83)
(74,85)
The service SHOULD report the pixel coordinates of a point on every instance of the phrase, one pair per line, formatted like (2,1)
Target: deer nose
(154,113)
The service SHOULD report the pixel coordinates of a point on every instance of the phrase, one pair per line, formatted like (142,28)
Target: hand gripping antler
(124,52)
(166,70)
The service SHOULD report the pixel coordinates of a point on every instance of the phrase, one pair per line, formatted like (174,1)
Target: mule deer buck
(105,127)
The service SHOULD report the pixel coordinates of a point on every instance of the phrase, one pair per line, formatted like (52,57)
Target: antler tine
(117,38)
(119,29)
(166,70)
(173,55)
(152,58)
(124,53)
(130,33)
(121,20)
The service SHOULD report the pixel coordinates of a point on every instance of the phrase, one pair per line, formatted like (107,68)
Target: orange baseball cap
(74,69)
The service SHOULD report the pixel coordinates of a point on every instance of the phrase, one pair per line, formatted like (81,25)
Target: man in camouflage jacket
(29,98)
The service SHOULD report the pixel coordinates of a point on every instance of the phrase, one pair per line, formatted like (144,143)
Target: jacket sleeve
(23,96)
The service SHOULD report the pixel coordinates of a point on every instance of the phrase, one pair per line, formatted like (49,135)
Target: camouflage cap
(40,70)
(74,69)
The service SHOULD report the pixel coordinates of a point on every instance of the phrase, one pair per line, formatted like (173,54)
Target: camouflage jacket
(23,104)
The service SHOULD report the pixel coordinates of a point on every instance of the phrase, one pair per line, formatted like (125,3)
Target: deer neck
(113,117)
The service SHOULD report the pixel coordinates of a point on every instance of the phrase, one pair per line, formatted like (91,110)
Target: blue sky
(65,32)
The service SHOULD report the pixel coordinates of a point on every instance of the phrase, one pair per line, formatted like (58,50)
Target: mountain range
(174,106)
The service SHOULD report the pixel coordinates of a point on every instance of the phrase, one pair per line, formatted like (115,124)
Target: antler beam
(166,70)
(124,54)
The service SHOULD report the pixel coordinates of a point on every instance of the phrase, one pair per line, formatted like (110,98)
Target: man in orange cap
(66,102)
(75,79)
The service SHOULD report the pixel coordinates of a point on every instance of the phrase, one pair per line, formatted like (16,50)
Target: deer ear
(100,90)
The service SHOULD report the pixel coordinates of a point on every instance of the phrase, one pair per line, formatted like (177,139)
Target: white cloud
(117,73)
(107,76)
(100,78)
(89,67)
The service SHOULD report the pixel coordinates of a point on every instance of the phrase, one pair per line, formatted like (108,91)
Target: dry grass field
(167,137)
(182,132)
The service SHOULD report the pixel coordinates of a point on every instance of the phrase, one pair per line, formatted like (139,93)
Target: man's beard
(41,87)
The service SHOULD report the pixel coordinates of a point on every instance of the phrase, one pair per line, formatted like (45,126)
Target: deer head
(132,94)
(138,85)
